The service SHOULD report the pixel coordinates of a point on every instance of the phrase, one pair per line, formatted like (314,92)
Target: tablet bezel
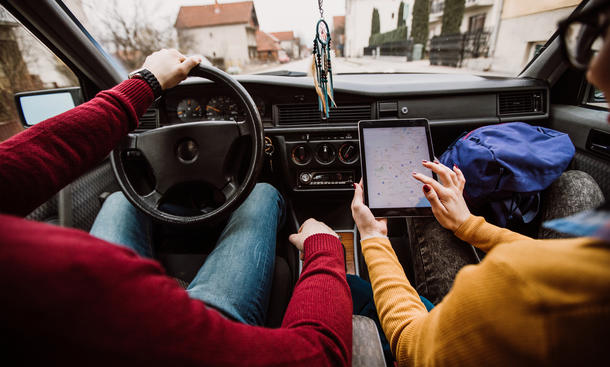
(372,124)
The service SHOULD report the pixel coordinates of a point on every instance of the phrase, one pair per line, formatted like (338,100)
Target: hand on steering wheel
(446,197)
(170,67)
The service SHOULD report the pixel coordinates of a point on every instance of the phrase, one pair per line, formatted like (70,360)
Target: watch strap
(149,78)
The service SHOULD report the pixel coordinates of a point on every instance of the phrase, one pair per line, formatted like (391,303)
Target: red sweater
(69,298)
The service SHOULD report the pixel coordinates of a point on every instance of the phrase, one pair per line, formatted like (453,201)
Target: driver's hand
(309,228)
(446,196)
(367,224)
(170,67)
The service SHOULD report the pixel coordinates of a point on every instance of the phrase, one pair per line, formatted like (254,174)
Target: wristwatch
(149,78)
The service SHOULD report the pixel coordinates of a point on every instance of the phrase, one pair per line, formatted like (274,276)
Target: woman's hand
(446,198)
(309,228)
(367,224)
(170,67)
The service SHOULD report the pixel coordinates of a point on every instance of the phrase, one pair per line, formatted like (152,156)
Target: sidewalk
(369,64)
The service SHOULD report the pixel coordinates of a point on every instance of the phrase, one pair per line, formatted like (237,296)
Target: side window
(25,65)
(596,98)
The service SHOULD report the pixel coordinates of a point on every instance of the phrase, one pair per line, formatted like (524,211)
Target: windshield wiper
(284,73)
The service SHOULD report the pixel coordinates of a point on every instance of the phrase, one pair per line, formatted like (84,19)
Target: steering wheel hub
(187,151)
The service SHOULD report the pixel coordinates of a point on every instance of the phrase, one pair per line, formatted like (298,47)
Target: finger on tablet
(432,197)
(428,180)
(446,175)
(358,194)
(438,209)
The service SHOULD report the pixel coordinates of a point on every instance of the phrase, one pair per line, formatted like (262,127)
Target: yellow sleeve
(397,302)
(485,236)
(475,323)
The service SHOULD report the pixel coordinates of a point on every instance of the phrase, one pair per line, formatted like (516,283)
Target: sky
(299,16)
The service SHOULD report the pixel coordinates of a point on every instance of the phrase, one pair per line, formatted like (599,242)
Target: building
(358,19)
(525,27)
(479,15)
(269,48)
(338,35)
(219,31)
(289,43)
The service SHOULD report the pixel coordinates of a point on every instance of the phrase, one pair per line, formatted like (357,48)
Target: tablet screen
(391,155)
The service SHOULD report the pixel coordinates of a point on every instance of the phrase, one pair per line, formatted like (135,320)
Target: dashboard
(313,154)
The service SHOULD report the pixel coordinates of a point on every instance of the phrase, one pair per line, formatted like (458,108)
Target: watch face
(135,73)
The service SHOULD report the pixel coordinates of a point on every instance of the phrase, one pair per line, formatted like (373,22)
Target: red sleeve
(78,300)
(41,160)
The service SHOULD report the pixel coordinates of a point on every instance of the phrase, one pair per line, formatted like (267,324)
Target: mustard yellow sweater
(529,302)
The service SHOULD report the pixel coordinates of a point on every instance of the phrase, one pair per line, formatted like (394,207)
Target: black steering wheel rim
(238,193)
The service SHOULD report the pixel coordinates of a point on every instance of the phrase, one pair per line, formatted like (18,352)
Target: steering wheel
(195,152)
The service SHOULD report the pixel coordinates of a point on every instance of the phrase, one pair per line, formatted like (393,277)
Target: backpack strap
(519,207)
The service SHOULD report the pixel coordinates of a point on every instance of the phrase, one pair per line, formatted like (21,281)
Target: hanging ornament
(321,65)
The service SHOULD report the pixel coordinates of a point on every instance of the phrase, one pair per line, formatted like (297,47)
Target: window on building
(437,6)
(476,23)
(25,65)
(532,50)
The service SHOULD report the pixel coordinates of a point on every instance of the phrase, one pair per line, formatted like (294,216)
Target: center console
(320,160)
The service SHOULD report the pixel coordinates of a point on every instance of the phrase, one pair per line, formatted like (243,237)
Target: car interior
(312,161)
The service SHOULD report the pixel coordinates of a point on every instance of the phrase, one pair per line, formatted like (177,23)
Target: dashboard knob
(325,153)
(300,155)
(305,178)
(348,153)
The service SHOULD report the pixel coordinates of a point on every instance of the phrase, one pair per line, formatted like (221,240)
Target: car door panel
(79,202)
(579,123)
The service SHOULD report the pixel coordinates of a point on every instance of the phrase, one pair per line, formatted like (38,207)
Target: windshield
(482,37)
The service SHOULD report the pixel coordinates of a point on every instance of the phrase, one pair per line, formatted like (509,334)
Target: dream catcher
(322,71)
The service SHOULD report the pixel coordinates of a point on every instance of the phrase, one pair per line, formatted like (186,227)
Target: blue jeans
(364,305)
(236,277)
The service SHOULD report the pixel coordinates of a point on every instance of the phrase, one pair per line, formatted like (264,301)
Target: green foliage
(452,17)
(419,24)
(399,34)
(401,14)
(375,24)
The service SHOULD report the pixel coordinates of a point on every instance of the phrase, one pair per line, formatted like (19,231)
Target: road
(383,64)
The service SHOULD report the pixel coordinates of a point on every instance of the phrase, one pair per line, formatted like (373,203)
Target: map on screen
(391,155)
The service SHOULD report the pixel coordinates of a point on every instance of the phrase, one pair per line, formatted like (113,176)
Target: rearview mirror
(38,106)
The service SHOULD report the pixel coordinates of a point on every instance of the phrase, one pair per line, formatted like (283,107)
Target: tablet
(390,151)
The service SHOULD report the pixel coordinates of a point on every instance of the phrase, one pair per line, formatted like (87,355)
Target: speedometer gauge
(224,108)
(189,110)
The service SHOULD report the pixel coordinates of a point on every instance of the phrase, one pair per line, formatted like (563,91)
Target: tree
(401,15)
(375,24)
(452,17)
(419,23)
(131,34)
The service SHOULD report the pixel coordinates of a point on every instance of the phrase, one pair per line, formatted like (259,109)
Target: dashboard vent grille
(149,120)
(350,114)
(291,114)
(523,102)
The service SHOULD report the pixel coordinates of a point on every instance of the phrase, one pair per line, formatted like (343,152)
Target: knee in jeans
(266,190)
(117,199)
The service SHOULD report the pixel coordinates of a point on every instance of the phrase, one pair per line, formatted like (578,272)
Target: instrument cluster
(216,108)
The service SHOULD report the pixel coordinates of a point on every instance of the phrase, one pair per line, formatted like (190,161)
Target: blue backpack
(506,166)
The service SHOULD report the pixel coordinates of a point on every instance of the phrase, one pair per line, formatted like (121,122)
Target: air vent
(350,114)
(290,114)
(523,102)
(149,119)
